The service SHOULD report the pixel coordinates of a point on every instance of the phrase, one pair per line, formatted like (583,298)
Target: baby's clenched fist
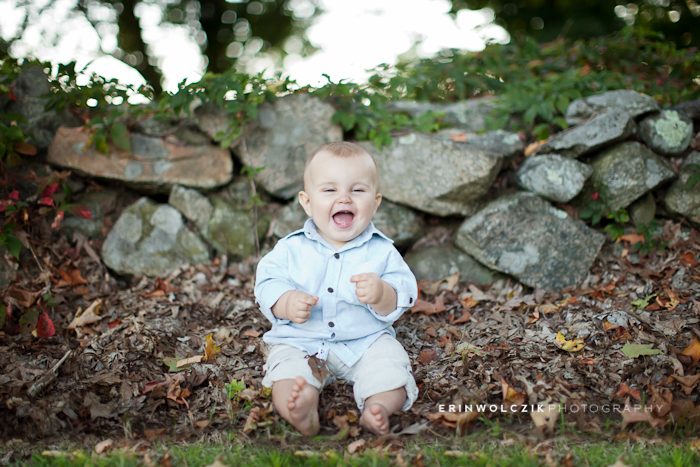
(369,287)
(299,306)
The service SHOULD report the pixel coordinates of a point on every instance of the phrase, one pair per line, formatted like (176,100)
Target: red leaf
(12,96)
(82,211)
(58,220)
(25,148)
(14,194)
(594,196)
(49,190)
(44,327)
(46,201)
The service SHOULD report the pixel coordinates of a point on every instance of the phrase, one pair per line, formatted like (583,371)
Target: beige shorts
(384,366)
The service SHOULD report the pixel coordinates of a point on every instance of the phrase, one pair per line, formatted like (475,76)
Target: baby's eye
(359,189)
(329,190)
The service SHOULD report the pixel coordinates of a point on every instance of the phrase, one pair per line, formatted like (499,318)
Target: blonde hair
(343,149)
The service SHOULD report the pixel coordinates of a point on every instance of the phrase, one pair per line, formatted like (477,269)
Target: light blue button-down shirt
(303,260)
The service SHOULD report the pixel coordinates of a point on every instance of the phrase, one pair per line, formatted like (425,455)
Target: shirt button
(336,256)
(330,289)
(333,336)
(331,324)
(410,299)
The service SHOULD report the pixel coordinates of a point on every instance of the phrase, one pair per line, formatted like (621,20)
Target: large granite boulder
(524,236)
(227,226)
(553,177)
(285,133)
(154,165)
(440,261)
(468,115)
(629,170)
(230,229)
(668,132)
(397,222)
(631,102)
(151,239)
(679,200)
(28,88)
(434,175)
(503,143)
(193,205)
(602,130)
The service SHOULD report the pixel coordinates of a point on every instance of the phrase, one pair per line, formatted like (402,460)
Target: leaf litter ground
(153,358)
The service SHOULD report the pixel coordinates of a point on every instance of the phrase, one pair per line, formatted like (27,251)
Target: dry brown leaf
(89,316)
(210,350)
(453,419)
(155,434)
(693,350)
(428,308)
(434,288)
(104,446)
(625,390)
(202,424)
(356,445)
(466,316)
(546,418)
(688,383)
(23,297)
(187,361)
(533,147)
(510,395)
(638,414)
(318,368)
(427,356)
(632,238)
(251,333)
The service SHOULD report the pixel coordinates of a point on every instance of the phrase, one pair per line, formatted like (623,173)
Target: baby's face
(341,195)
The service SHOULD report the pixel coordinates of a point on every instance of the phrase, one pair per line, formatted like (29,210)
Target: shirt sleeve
(272,281)
(398,275)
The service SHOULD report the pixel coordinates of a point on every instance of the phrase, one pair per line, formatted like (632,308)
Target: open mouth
(343,219)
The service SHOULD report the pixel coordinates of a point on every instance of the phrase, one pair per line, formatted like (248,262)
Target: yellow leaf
(570,346)
(210,350)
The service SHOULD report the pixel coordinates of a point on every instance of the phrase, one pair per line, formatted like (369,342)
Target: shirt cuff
(271,296)
(403,302)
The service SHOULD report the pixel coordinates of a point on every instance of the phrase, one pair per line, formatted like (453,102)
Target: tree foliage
(226,31)
(678,20)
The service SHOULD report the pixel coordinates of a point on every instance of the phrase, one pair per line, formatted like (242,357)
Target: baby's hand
(299,305)
(369,287)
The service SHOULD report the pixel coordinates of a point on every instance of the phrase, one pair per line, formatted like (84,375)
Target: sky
(353,37)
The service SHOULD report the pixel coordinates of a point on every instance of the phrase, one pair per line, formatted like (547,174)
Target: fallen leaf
(251,333)
(688,258)
(466,316)
(533,147)
(304,453)
(155,434)
(202,424)
(619,462)
(104,446)
(468,350)
(44,327)
(217,462)
(570,346)
(632,238)
(427,356)
(454,453)
(171,363)
(318,368)
(625,390)
(693,350)
(546,418)
(638,414)
(635,350)
(24,298)
(28,321)
(450,281)
(458,420)
(510,395)
(89,316)
(356,445)
(687,382)
(428,308)
(188,361)
(209,350)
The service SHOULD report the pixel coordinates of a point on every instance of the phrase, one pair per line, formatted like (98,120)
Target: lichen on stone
(671,128)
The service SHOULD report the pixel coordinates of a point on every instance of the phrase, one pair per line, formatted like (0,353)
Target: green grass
(478,449)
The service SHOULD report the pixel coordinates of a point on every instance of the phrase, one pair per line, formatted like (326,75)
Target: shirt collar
(311,232)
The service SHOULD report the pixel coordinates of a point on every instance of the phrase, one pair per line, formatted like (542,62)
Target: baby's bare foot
(375,418)
(303,407)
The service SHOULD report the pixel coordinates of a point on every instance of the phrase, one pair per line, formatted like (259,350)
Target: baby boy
(333,289)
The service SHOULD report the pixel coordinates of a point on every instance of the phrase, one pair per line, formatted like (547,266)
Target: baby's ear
(377,201)
(305,202)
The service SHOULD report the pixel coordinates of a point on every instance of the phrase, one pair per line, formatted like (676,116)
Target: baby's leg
(297,401)
(379,407)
